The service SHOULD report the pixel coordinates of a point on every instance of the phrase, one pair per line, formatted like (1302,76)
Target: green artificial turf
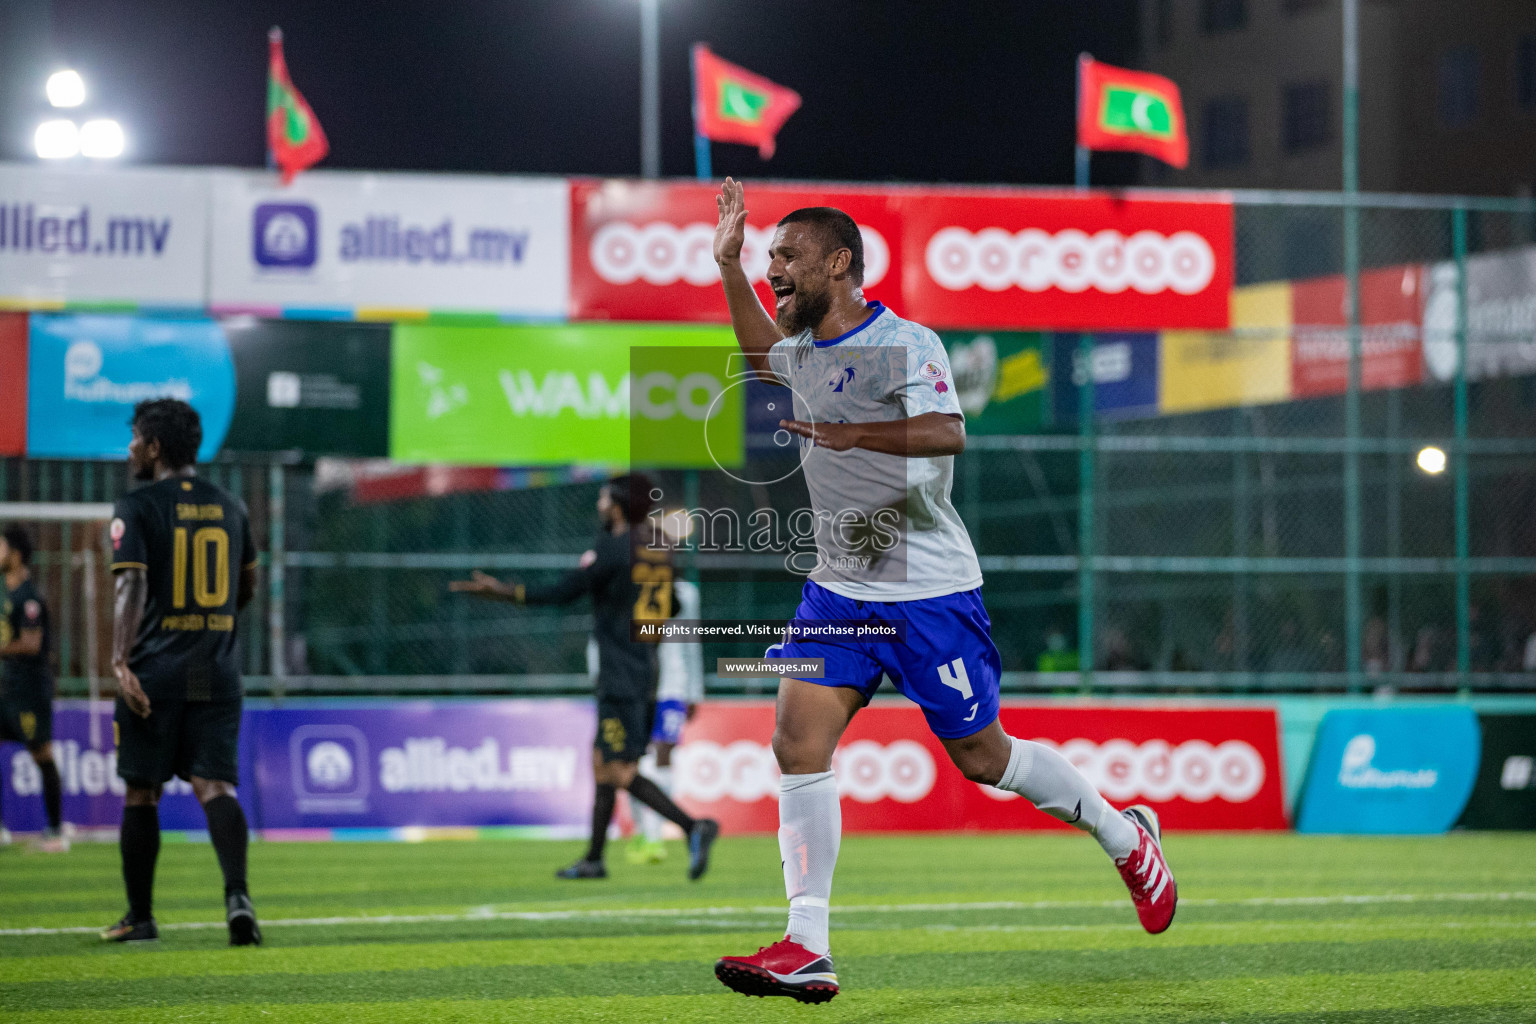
(951,928)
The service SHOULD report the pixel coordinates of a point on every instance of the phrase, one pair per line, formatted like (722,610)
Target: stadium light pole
(650,89)
(1353,612)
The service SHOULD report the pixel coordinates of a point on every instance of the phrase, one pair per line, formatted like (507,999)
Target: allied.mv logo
(285,235)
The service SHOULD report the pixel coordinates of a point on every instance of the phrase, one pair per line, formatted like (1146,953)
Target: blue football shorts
(948,666)
(670,716)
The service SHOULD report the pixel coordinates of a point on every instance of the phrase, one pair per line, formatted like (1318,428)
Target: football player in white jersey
(679,690)
(879,426)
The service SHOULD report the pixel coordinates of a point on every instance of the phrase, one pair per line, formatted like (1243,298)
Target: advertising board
(86,372)
(552,395)
(1201,768)
(316,387)
(374,246)
(645,250)
(1065,260)
(133,237)
(1390,771)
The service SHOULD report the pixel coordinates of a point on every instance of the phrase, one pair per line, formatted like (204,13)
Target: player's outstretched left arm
(925,436)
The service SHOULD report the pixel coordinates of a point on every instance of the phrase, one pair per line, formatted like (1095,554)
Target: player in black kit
(26,684)
(629,578)
(185,566)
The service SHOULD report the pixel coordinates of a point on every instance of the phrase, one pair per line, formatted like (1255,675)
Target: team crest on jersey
(116,532)
(932,370)
(32,609)
(845,376)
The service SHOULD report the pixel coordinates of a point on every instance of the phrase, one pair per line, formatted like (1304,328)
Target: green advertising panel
(320,388)
(1000,379)
(530,395)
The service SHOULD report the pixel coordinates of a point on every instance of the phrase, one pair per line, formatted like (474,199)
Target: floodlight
(101,139)
(57,140)
(1432,460)
(66,89)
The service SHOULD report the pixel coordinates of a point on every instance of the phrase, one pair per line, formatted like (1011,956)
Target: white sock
(810,830)
(1053,784)
(647,822)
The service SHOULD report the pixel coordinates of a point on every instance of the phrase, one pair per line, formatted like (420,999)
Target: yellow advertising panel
(1247,365)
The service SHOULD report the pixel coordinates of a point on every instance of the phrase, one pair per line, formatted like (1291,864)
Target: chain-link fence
(1272,521)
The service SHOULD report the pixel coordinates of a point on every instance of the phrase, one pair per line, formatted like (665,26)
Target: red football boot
(1146,873)
(785,968)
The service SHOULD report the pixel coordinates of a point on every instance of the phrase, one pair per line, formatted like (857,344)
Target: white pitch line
(482,913)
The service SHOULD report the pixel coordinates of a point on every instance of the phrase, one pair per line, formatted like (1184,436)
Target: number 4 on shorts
(954,676)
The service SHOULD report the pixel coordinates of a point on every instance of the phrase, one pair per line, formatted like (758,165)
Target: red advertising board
(1066,261)
(645,250)
(1391,317)
(1201,768)
(13,383)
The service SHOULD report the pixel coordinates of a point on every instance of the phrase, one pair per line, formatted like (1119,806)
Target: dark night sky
(965,92)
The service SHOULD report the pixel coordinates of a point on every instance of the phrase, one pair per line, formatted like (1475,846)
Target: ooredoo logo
(746,771)
(1159,771)
(660,253)
(1071,260)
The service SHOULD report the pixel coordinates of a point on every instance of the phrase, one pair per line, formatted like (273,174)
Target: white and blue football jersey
(886,529)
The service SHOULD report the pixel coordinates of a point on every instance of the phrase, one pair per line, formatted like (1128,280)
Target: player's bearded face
(803,296)
(139,464)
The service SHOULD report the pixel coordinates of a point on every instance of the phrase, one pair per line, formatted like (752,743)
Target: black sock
(53,794)
(227,830)
(139,842)
(650,794)
(602,814)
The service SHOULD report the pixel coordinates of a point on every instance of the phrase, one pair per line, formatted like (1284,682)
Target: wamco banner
(130,237)
(373,246)
(556,395)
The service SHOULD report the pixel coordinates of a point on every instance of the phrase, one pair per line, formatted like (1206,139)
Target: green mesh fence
(1248,543)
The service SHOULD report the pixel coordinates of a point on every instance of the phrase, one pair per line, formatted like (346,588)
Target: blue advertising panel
(1390,771)
(93,794)
(354,765)
(390,764)
(1125,368)
(85,373)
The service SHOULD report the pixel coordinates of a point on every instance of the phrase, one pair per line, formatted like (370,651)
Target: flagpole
(701,163)
(274,36)
(1081,153)
(650,90)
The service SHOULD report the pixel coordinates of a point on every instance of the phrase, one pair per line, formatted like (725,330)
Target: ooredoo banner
(135,237)
(373,246)
(1201,768)
(1065,260)
(645,250)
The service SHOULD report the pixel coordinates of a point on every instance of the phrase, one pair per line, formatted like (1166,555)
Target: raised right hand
(731,231)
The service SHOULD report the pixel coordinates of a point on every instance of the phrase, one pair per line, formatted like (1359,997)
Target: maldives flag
(731,104)
(295,140)
(1122,109)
